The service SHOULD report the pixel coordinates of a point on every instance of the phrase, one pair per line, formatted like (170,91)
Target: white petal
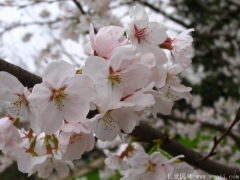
(61,166)
(114,31)
(135,77)
(96,68)
(141,101)
(10,87)
(51,119)
(56,72)
(127,119)
(40,95)
(157,32)
(160,76)
(75,109)
(148,59)
(105,45)
(139,16)
(81,86)
(122,57)
(162,106)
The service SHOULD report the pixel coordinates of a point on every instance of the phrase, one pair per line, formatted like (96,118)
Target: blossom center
(108,121)
(140,34)
(172,78)
(115,79)
(16,106)
(58,96)
(75,137)
(150,166)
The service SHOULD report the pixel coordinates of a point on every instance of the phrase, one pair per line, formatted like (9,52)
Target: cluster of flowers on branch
(126,76)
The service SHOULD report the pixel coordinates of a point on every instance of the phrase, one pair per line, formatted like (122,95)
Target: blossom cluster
(126,76)
(133,163)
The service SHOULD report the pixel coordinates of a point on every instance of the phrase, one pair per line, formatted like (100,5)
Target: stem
(217,141)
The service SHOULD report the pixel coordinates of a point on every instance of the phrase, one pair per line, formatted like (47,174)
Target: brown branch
(217,141)
(26,78)
(79,6)
(144,132)
(219,128)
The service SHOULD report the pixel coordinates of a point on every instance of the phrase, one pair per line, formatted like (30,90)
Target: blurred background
(36,32)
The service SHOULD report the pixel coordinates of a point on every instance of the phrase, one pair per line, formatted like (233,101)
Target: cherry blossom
(145,167)
(118,73)
(113,116)
(44,165)
(105,41)
(13,92)
(119,160)
(62,95)
(168,82)
(180,47)
(75,136)
(123,80)
(8,133)
(147,35)
(142,98)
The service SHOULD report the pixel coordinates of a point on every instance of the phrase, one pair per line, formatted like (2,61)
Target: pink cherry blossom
(8,133)
(105,41)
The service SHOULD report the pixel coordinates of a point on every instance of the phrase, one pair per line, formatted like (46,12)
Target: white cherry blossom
(118,73)
(146,35)
(145,167)
(75,136)
(15,94)
(62,95)
(44,165)
(182,48)
(113,116)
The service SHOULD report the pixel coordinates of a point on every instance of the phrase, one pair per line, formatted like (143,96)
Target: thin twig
(79,6)
(33,23)
(217,141)
(219,128)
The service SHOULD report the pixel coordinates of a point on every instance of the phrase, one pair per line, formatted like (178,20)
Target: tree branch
(217,141)
(219,128)
(79,6)
(26,78)
(144,132)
